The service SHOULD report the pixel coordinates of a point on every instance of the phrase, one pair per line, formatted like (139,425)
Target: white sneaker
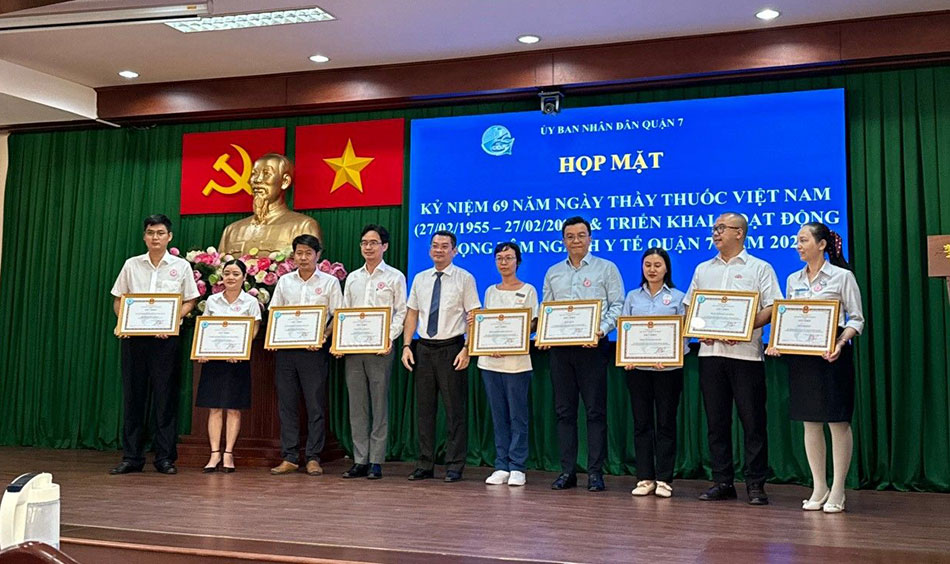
(644,487)
(497,478)
(516,479)
(663,489)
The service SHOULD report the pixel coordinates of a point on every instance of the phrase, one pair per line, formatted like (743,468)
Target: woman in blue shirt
(655,391)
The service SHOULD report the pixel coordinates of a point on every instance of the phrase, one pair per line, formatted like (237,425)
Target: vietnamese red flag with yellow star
(344,165)
(216,168)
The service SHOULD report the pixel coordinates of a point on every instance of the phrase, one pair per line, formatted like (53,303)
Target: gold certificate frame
(350,339)
(806,327)
(240,334)
(584,323)
(149,315)
(280,336)
(633,328)
(732,311)
(505,332)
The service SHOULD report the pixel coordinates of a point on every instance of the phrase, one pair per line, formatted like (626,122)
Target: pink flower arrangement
(262,272)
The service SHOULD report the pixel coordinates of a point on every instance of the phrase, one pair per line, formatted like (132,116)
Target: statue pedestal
(259,441)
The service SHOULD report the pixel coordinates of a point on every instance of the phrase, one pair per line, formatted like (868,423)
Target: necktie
(432,327)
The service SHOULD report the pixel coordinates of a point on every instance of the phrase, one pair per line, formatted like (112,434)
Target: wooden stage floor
(252,516)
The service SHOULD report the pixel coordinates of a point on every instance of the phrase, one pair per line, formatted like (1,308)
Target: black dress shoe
(757,495)
(595,482)
(420,474)
(565,481)
(357,471)
(719,492)
(125,467)
(166,467)
(453,476)
(375,472)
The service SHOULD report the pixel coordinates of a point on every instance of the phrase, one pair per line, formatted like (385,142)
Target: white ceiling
(374,32)
(366,32)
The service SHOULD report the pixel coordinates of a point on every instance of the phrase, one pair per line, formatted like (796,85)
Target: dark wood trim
(895,40)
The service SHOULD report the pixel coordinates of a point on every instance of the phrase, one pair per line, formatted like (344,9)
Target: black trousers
(722,381)
(655,395)
(300,371)
(149,363)
(581,370)
(435,374)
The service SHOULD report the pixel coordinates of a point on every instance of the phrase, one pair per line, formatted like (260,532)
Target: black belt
(440,343)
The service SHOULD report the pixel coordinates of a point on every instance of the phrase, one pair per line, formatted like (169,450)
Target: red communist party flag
(344,165)
(216,168)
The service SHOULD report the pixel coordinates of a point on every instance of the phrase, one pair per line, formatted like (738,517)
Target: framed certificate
(568,323)
(361,330)
(295,327)
(804,326)
(499,331)
(722,314)
(647,341)
(149,314)
(222,338)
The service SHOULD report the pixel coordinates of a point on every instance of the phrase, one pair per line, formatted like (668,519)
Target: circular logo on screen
(497,141)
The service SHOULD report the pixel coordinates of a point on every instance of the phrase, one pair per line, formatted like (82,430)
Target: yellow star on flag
(348,167)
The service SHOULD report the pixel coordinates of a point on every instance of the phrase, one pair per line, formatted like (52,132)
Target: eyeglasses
(580,237)
(721,227)
(504,260)
(150,233)
(370,244)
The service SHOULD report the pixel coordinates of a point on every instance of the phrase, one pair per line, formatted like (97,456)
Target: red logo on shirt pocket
(319,291)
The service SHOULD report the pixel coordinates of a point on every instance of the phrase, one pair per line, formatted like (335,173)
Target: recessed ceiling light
(320,59)
(259,19)
(528,39)
(768,14)
(128,74)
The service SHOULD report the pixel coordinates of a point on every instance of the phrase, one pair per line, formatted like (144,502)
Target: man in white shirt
(438,303)
(375,284)
(304,370)
(152,362)
(731,371)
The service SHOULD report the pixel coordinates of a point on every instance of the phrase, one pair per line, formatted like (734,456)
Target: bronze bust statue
(273,225)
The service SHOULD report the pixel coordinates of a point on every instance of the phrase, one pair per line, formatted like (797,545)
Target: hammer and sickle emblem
(240,180)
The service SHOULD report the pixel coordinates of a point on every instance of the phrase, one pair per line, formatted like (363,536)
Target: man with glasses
(583,370)
(375,284)
(730,371)
(152,362)
(438,303)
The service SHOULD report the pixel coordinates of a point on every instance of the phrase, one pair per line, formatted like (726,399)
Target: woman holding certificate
(654,392)
(508,377)
(821,388)
(225,385)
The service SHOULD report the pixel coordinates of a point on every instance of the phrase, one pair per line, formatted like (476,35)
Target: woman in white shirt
(507,378)
(226,385)
(821,388)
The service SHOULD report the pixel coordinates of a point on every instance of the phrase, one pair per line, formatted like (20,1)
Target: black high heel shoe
(227,469)
(211,469)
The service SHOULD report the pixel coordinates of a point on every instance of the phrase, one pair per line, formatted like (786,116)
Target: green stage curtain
(75,201)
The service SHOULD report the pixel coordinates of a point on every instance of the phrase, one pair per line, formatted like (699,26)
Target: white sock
(815,451)
(842,443)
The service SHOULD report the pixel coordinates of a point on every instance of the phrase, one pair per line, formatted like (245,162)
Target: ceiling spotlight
(768,14)
(320,59)
(528,39)
(128,74)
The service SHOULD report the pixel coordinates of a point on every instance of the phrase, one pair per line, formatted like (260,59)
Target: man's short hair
(308,240)
(285,166)
(444,233)
(157,219)
(574,221)
(379,229)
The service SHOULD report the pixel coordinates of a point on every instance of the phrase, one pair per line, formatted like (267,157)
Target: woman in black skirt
(821,388)
(226,385)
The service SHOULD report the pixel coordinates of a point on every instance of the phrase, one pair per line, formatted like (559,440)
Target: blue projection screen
(644,175)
